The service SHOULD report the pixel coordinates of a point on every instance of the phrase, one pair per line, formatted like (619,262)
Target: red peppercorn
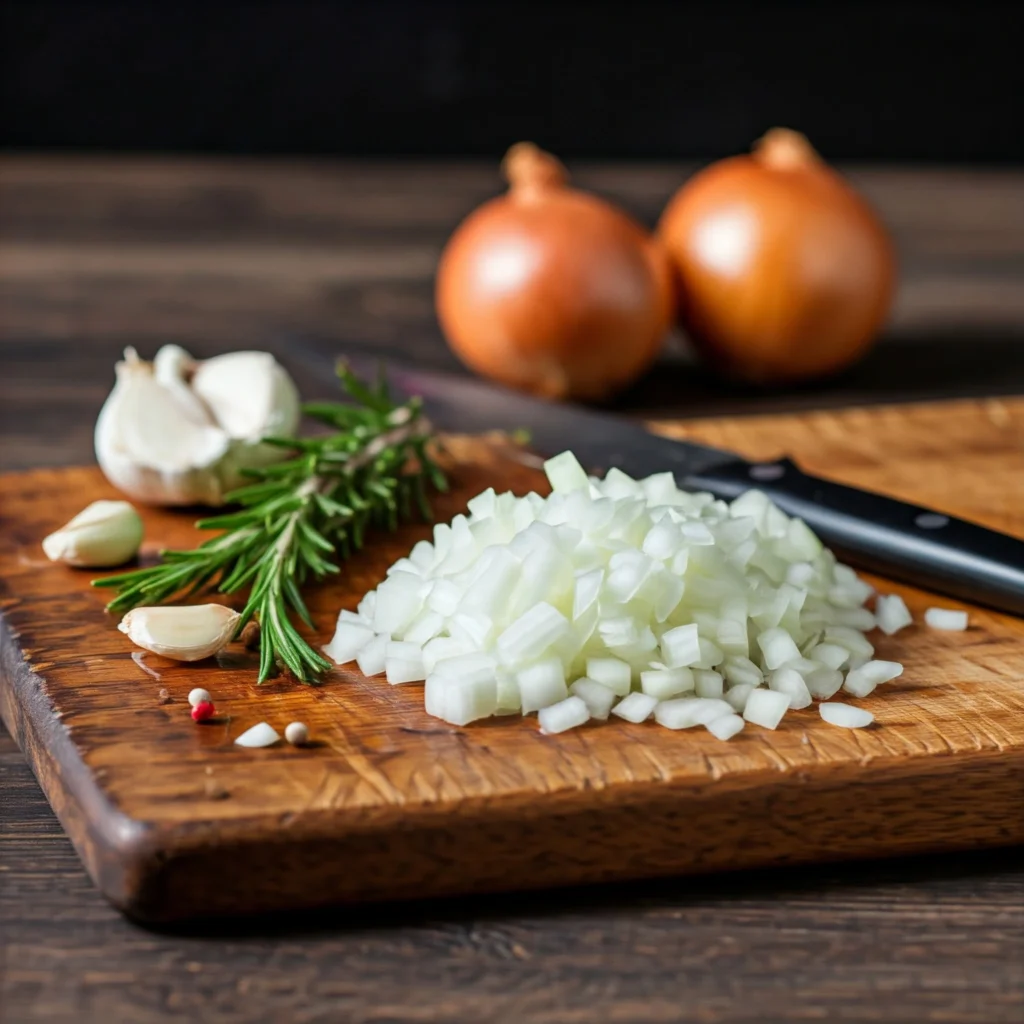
(203,710)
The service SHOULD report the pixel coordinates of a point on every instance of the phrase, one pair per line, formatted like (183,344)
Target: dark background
(913,82)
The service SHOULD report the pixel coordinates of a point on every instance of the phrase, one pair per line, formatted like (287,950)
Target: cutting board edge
(107,840)
(152,877)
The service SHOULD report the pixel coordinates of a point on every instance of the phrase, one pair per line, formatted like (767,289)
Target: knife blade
(904,541)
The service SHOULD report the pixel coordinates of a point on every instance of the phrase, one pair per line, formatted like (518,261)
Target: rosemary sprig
(299,516)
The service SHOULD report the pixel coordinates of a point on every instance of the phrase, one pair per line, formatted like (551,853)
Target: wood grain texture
(394,804)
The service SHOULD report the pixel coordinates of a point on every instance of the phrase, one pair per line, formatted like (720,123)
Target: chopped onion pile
(621,597)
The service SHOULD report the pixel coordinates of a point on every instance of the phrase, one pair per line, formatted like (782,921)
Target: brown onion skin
(815,284)
(552,290)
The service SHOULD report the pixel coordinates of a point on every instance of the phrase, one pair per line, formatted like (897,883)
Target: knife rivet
(930,520)
(767,471)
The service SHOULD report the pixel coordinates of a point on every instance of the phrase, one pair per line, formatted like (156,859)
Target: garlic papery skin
(181,632)
(165,442)
(103,534)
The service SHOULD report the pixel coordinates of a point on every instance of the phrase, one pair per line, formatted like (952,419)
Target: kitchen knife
(907,542)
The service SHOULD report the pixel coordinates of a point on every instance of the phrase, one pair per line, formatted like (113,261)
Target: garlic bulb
(181,632)
(103,534)
(179,431)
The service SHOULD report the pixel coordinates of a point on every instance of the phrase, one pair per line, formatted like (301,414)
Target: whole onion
(783,270)
(552,290)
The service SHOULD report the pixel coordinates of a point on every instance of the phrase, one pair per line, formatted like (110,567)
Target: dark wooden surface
(94,255)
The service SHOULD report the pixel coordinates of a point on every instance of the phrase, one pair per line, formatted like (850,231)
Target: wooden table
(302,258)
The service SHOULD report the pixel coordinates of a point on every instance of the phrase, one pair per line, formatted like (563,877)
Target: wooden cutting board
(172,820)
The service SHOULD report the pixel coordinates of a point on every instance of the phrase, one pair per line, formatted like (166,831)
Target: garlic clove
(103,534)
(250,395)
(181,632)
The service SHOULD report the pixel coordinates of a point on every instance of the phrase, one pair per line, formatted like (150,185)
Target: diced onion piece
(610,672)
(666,682)
(855,642)
(686,712)
(491,589)
(863,680)
(349,639)
(586,593)
(628,573)
(726,727)
(441,648)
(830,655)
(261,735)
(680,646)
(482,506)
(599,699)
(892,613)
(707,683)
(845,715)
(472,628)
(346,616)
(400,599)
(372,659)
(663,540)
(566,714)
(738,670)
(777,647)
(404,565)
(541,685)
(801,540)
(635,707)
(471,667)
(422,554)
(508,692)
(824,682)
(736,696)
(710,654)
(789,682)
(857,618)
(731,637)
(403,662)
(766,708)
(709,709)
(365,609)
(444,597)
(460,699)
(424,627)
(617,484)
(564,473)
(532,634)
(801,665)
(697,534)
(849,591)
(946,619)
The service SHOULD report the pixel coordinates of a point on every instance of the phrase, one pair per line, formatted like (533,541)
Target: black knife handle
(883,535)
